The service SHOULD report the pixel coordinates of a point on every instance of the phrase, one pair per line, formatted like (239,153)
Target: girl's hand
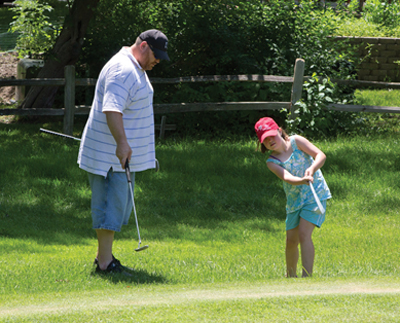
(307,179)
(309,171)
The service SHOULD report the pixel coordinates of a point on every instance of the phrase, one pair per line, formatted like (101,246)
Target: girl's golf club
(320,207)
(128,176)
(157,168)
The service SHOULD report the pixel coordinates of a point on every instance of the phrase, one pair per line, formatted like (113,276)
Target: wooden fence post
(162,127)
(69,99)
(297,87)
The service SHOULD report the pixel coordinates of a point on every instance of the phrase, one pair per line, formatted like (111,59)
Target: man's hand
(123,153)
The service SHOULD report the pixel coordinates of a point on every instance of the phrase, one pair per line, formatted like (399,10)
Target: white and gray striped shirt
(123,86)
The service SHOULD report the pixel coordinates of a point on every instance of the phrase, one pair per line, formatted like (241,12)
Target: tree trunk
(66,51)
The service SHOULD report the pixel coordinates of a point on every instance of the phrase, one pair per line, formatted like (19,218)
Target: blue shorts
(111,200)
(309,212)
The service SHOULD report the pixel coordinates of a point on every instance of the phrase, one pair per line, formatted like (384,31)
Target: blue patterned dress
(299,195)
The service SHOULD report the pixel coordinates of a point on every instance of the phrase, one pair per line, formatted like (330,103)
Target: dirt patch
(8,69)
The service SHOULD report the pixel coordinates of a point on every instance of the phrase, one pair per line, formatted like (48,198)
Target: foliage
(312,117)
(36,33)
(209,37)
(378,19)
(382,12)
(235,37)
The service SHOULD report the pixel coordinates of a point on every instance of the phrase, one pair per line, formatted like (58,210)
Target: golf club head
(157,166)
(142,248)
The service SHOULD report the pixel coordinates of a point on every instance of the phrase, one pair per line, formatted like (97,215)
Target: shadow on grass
(138,277)
(364,170)
(206,187)
(204,190)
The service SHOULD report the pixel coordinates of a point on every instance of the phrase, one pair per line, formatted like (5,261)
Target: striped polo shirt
(123,86)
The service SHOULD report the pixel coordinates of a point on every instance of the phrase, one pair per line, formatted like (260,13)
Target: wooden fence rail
(69,83)
(70,109)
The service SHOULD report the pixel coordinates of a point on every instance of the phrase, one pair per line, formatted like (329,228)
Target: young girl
(297,162)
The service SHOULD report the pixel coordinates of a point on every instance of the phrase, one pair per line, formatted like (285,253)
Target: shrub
(383,13)
(314,119)
(211,37)
(378,19)
(36,33)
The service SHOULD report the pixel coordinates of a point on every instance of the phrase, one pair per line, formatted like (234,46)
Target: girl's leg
(292,251)
(307,247)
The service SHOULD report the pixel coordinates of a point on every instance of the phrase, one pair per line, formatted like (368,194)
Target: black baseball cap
(158,42)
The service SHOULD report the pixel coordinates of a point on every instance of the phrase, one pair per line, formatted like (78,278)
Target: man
(120,127)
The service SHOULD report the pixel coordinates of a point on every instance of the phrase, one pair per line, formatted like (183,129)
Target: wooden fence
(69,83)
(70,109)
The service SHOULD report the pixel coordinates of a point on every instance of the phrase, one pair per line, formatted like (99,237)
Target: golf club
(59,134)
(128,177)
(157,168)
(320,207)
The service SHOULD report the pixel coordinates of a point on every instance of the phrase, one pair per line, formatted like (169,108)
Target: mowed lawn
(213,218)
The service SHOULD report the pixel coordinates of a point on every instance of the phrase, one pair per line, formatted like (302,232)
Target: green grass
(376,20)
(357,27)
(214,220)
(388,98)
(385,98)
(278,301)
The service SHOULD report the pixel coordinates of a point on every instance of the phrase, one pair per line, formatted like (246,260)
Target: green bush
(382,13)
(36,33)
(215,37)
(314,119)
(378,19)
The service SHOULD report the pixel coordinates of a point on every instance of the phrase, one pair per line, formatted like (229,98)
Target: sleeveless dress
(299,195)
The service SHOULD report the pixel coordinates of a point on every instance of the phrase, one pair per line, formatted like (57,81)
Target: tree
(65,51)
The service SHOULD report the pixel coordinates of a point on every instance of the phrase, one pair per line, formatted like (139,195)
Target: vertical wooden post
(162,127)
(361,6)
(69,99)
(297,87)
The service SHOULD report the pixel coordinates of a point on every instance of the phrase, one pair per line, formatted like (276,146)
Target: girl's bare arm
(284,175)
(319,157)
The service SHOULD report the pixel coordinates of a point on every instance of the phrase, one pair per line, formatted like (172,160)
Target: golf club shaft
(134,211)
(157,167)
(58,134)
(321,208)
(128,176)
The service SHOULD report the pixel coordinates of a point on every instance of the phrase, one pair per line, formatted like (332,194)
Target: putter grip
(128,171)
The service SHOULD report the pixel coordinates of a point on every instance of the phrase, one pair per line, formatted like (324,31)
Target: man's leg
(105,240)
(111,207)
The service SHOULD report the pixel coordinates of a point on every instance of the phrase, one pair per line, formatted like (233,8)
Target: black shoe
(96,261)
(114,267)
